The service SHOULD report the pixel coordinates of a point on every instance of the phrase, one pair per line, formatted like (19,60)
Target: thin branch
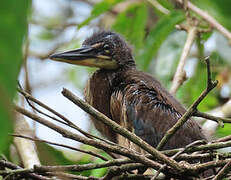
(177,155)
(209,165)
(180,75)
(223,171)
(61,145)
(217,119)
(122,131)
(223,139)
(192,109)
(67,176)
(79,168)
(99,144)
(9,165)
(209,146)
(68,122)
(207,17)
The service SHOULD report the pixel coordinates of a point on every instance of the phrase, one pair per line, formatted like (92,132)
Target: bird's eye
(106,48)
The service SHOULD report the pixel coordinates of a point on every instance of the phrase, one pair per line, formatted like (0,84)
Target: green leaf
(132,23)
(157,36)
(99,9)
(13,27)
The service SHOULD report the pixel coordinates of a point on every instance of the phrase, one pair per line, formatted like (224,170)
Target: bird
(134,99)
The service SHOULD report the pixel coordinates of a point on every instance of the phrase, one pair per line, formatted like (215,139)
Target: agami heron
(133,99)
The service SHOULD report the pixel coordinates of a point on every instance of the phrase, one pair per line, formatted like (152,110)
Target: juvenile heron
(133,99)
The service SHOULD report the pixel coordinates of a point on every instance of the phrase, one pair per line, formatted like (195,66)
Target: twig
(68,122)
(79,168)
(61,145)
(223,139)
(134,176)
(219,120)
(101,145)
(210,146)
(212,21)
(209,165)
(177,155)
(122,131)
(223,171)
(180,75)
(67,176)
(7,164)
(192,109)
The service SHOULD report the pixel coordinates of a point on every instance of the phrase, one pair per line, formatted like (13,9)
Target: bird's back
(142,105)
(138,102)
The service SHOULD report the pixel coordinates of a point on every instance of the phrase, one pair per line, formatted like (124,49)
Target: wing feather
(147,109)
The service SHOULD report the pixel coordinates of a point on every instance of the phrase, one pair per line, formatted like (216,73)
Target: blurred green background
(32,30)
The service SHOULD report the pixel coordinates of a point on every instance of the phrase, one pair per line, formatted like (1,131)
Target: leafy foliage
(13,27)
(99,9)
(148,40)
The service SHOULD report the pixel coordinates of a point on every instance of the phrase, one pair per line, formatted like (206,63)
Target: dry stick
(28,97)
(212,146)
(179,76)
(177,155)
(186,157)
(132,166)
(61,145)
(134,176)
(219,120)
(38,111)
(192,109)
(223,139)
(78,168)
(213,22)
(122,131)
(101,145)
(68,122)
(223,171)
(7,164)
(119,162)
(209,165)
(61,175)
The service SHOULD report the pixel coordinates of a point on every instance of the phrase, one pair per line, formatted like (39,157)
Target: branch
(177,155)
(61,145)
(99,144)
(224,111)
(9,165)
(212,21)
(223,171)
(180,75)
(29,98)
(210,146)
(209,165)
(25,149)
(120,130)
(192,109)
(219,120)
(67,176)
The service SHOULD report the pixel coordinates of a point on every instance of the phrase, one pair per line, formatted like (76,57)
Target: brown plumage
(132,98)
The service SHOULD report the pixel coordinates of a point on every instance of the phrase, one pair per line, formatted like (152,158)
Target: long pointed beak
(86,56)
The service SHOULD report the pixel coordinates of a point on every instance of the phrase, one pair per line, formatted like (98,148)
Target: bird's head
(105,50)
